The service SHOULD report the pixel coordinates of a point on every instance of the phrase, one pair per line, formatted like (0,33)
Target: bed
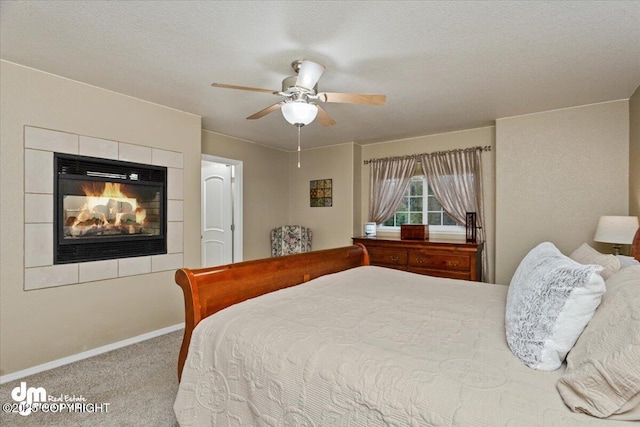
(343,343)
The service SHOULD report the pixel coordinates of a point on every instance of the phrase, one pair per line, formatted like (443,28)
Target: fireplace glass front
(108,209)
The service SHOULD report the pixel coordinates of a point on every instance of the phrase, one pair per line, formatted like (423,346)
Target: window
(420,206)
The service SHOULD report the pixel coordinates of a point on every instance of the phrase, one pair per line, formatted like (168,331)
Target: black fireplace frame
(73,167)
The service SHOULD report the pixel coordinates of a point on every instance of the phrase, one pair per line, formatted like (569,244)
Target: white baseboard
(89,353)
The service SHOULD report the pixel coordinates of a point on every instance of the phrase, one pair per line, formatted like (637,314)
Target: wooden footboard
(208,290)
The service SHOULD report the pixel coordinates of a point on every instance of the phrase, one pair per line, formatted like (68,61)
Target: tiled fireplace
(116,212)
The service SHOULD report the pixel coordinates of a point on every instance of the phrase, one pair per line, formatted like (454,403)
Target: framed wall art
(321,193)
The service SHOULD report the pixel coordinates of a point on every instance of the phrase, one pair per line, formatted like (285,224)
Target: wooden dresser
(452,259)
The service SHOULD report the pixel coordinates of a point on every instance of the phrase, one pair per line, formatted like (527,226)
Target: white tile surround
(39,271)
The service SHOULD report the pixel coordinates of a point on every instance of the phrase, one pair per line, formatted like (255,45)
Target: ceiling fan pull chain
(299,145)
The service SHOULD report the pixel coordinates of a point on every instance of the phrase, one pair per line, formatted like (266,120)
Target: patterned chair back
(290,239)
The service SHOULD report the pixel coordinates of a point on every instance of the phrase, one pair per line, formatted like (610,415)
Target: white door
(217,213)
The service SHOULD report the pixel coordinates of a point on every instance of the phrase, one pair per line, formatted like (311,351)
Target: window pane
(404,205)
(402,218)
(416,187)
(431,193)
(447,220)
(434,218)
(416,218)
(434,205)
(390,222)
(415,204)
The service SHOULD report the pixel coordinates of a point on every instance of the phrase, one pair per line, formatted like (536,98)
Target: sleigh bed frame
(209,290)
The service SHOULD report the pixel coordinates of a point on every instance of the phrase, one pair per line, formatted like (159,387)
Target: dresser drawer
(388,256)
(449,274)
(419,259)
(451,259)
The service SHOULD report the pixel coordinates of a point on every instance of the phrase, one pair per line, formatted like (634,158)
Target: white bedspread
(367,347)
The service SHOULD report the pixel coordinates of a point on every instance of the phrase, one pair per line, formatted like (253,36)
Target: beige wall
(43,325)
(265,188)
(634,153)
(332,226)
(427,144)
(557,172)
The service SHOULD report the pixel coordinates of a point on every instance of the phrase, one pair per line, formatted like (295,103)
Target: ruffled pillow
(550,300)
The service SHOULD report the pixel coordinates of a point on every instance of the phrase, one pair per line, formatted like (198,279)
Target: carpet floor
(139,382)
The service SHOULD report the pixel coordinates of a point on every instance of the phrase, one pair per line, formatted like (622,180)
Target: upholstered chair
(290,239)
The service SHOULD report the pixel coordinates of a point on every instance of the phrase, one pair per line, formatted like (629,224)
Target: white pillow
(585,254)
(627,261)
(603,368)
(550,300)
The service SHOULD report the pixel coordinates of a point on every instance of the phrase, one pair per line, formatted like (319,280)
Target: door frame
(236,199)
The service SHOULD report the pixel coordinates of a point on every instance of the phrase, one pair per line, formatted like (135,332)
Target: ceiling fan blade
(264,112)
(253,89)
(352,98)
(324,118)
(309,74)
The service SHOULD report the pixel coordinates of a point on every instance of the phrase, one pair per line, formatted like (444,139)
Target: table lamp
(618,230)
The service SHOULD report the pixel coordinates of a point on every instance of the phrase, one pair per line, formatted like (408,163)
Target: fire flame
(110,205)
(111,190)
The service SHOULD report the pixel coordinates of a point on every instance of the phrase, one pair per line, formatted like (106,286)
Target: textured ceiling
(443,65)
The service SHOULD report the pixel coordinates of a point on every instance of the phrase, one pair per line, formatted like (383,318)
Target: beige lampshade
(616,229)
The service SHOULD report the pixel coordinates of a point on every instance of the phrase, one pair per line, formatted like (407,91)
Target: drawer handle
(453,263)
(421,260)
(394,258)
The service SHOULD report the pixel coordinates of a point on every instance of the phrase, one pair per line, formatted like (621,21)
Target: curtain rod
(413,156)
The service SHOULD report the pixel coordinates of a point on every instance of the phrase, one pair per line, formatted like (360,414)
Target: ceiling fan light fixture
(299,113)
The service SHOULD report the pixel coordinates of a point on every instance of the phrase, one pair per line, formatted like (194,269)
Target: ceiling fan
(301,97)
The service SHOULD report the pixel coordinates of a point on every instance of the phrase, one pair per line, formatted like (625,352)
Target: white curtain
(455,178)
(388,181)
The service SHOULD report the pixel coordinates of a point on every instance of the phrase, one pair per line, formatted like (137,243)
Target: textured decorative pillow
(585,254)
(550,300)
(603,369)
